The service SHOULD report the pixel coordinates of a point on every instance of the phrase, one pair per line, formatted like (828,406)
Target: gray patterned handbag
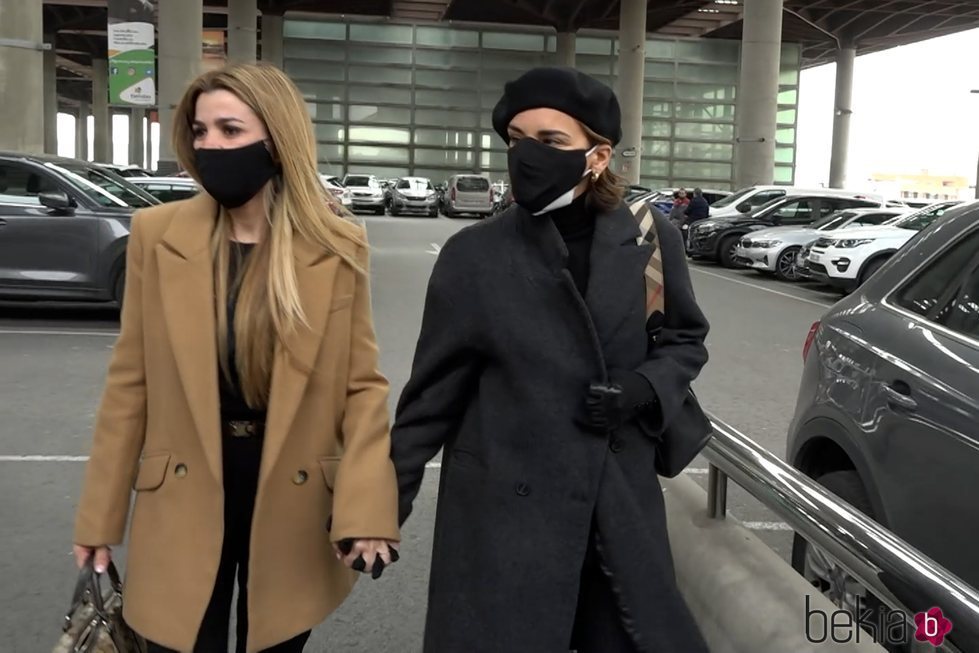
(94,623)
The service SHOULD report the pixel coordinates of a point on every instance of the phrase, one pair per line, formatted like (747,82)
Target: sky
(912,111)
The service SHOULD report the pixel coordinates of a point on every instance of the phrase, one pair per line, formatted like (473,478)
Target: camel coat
(326,450)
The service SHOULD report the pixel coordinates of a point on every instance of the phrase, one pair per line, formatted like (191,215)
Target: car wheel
(433,214)
(726,251)
(785,268)
(119,287)
(824,573)
(394,213)
(871,268)
(379,211)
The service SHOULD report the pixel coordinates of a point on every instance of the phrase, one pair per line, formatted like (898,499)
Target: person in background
(679,210)
(243,401)
(534,371)
(698,208)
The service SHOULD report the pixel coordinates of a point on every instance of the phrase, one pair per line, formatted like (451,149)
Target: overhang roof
(820,26)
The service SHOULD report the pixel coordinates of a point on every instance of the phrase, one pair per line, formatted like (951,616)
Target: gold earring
(595,175)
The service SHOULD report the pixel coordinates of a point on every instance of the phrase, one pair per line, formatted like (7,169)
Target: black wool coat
(507,350)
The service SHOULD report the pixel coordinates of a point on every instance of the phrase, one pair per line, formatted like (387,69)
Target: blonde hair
(268,304)
(607,191)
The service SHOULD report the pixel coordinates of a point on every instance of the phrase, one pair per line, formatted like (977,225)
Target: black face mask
(544,177)
(234,176)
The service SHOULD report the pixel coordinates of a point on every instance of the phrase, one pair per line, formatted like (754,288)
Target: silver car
(776,250)
(470,194)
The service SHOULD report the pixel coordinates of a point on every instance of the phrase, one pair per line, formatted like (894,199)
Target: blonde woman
(243,402)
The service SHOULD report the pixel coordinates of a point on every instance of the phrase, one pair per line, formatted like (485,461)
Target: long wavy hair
(296,204)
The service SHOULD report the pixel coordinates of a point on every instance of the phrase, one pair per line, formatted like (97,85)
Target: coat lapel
(616,283)
(295,355)
(187,291)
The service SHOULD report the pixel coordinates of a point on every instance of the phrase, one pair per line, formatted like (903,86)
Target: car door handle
(899,395)
(3,223)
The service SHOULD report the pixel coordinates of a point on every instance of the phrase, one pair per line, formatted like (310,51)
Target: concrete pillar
(179,48)
(566,49)
(102,129)
(242,30)
(632,60)
(272,39)
(50,97)
(841,118)
(149,143)
(21,76)
(81,131)
(136,137)
(757,103)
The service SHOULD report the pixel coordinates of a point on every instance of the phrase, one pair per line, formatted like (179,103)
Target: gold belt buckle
(241,429)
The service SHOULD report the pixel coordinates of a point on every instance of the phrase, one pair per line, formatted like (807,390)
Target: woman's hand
(367,551)
(103,556)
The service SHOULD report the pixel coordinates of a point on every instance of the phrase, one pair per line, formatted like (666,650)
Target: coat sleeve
(443,375)
(365,496)
(120,427)
(680,353)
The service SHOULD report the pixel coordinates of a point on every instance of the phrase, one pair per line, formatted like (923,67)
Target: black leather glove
(609,406)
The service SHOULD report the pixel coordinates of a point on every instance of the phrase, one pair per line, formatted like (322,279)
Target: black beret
(570,91)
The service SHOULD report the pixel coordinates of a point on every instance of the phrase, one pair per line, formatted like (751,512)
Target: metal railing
(892,570)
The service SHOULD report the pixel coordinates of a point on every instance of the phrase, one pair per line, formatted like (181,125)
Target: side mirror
(744,208)
(56,200)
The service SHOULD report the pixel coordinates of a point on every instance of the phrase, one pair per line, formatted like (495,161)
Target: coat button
(180,470)
(300,477)
(522,489)
(615,445)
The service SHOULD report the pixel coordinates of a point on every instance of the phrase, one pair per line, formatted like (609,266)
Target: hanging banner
(132,55)
(212,49)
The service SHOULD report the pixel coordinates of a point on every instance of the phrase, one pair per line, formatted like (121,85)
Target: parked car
(335,186)
(167,189)
(414,195)
(717,238)
(468,194)
(125,171)
(63,234)
(889,402)
(846,260)
(366,193)
(776,250)
(748,199)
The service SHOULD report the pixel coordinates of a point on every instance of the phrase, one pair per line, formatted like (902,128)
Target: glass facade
(394,99)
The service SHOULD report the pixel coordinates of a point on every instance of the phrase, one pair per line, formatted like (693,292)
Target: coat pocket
(329,466)
(152,471)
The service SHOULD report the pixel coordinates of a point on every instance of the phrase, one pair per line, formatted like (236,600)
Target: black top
(233,406)
(576,223)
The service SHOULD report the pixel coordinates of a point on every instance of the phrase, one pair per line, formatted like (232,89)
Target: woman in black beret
(535,371)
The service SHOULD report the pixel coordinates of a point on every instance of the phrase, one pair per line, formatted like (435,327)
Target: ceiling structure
(820,26)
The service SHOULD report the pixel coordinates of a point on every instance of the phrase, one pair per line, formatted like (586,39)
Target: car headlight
(431,197)
(766,244)
(850,243)
(707,227)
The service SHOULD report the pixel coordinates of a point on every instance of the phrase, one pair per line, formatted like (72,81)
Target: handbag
(94,623)
(689,431)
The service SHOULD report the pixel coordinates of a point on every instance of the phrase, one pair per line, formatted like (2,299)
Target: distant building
(922,185)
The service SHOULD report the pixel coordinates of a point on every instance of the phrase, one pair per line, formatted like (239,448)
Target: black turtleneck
(576,224)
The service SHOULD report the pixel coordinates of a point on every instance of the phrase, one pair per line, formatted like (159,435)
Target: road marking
(766,526)
(47,332)
(43,459)
(757,287)
(436,249)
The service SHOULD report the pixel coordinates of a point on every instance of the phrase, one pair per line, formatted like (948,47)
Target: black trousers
(241,459)
(598,626)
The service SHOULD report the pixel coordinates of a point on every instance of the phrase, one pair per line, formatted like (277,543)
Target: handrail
(892,570)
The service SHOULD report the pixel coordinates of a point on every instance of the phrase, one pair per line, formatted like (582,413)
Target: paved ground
(52,364)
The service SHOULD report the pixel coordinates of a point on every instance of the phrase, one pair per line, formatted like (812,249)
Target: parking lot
(53,364)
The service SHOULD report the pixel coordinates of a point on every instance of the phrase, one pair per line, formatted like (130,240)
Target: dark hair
(606,192)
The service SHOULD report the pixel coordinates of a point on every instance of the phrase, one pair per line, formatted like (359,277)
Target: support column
(566,49)
(50,97)
(841,118)
(632,62)
(21,76)
(242,31)
(136,137)
(272,39)
(179,55)
(757,104)
(81,131)
(149,142)
(102,128)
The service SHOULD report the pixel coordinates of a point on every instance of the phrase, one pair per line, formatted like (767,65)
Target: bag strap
(645,214)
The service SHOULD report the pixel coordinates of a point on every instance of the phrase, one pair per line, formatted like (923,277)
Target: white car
(775,250)
(335,186)
(752,197)
(366,193)
(845,260)
(414,195)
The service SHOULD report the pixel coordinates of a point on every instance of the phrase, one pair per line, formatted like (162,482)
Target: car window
(403,185)
(794,212)
(732,199)
(21,185)
(765,196)
(354,180)
(109,182)
(872,219)
(920,220)
(947,291)
(472,184)
(833,221)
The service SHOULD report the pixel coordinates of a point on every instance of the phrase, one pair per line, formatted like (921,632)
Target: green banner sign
(132,54)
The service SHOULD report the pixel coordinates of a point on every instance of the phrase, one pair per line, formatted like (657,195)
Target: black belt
(243,428)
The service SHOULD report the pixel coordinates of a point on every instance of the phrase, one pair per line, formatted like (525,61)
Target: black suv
(888,406)
(717,238)
(64,225)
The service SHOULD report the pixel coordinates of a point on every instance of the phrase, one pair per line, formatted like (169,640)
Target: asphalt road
(52,365)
